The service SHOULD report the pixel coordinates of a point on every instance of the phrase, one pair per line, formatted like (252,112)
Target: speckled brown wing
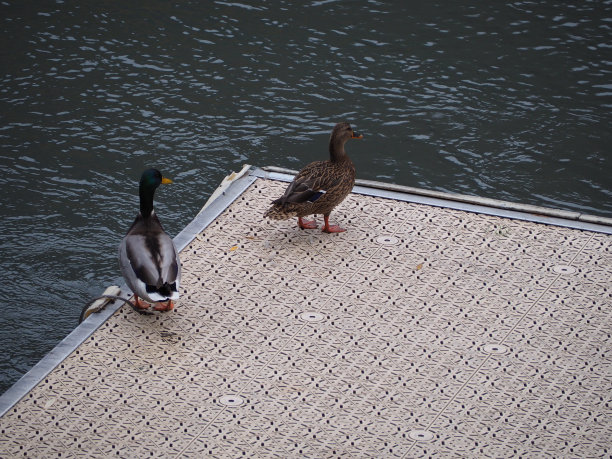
(306,184)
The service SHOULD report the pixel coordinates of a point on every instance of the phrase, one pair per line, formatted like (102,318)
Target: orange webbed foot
(331,228)
(169,306)
(140,305)
(307,224)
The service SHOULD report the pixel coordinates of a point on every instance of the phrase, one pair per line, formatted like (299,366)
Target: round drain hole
(495,348)
(387,240)
(421,435)
(231,400)
(562,269)
(312,316)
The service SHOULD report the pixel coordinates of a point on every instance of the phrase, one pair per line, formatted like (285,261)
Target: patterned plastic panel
(419,332)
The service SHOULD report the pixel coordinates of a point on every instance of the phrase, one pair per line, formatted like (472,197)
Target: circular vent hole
(421,435)
(495,348)
(562,269)
(311,316)
(231,400)
(387,240)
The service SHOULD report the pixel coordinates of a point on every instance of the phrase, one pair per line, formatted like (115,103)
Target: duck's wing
(310,184)
(149,261)
(171,267)
(300,192)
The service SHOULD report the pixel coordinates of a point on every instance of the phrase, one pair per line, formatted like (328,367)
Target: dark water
(504,100)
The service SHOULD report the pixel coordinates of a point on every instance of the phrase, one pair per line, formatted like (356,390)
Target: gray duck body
(148,258)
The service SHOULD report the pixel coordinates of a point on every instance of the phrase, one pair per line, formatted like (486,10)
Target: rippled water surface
(505,100)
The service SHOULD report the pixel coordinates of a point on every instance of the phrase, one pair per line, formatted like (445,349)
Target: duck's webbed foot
(307,224)
(140,305)
(331,228)
(169,306)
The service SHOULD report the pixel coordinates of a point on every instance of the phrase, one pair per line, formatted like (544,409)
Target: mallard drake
(148,258)
(320,186)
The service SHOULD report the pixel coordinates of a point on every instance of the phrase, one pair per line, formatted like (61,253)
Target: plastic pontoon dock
(435,326)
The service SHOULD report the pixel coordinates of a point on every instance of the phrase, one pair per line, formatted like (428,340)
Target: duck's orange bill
(166,180)
(357,136)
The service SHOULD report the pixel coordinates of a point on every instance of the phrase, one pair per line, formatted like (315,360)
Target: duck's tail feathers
(164,293)
(277,212)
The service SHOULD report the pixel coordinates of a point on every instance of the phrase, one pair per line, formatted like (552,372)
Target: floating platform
(437,325)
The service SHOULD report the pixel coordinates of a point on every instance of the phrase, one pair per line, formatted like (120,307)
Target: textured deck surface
(421,331)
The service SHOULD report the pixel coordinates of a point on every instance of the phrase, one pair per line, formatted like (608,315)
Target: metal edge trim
(57,355)
(84,330)
(486,206)
(213,210)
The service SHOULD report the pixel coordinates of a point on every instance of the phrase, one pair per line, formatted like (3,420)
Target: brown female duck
(320,186)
